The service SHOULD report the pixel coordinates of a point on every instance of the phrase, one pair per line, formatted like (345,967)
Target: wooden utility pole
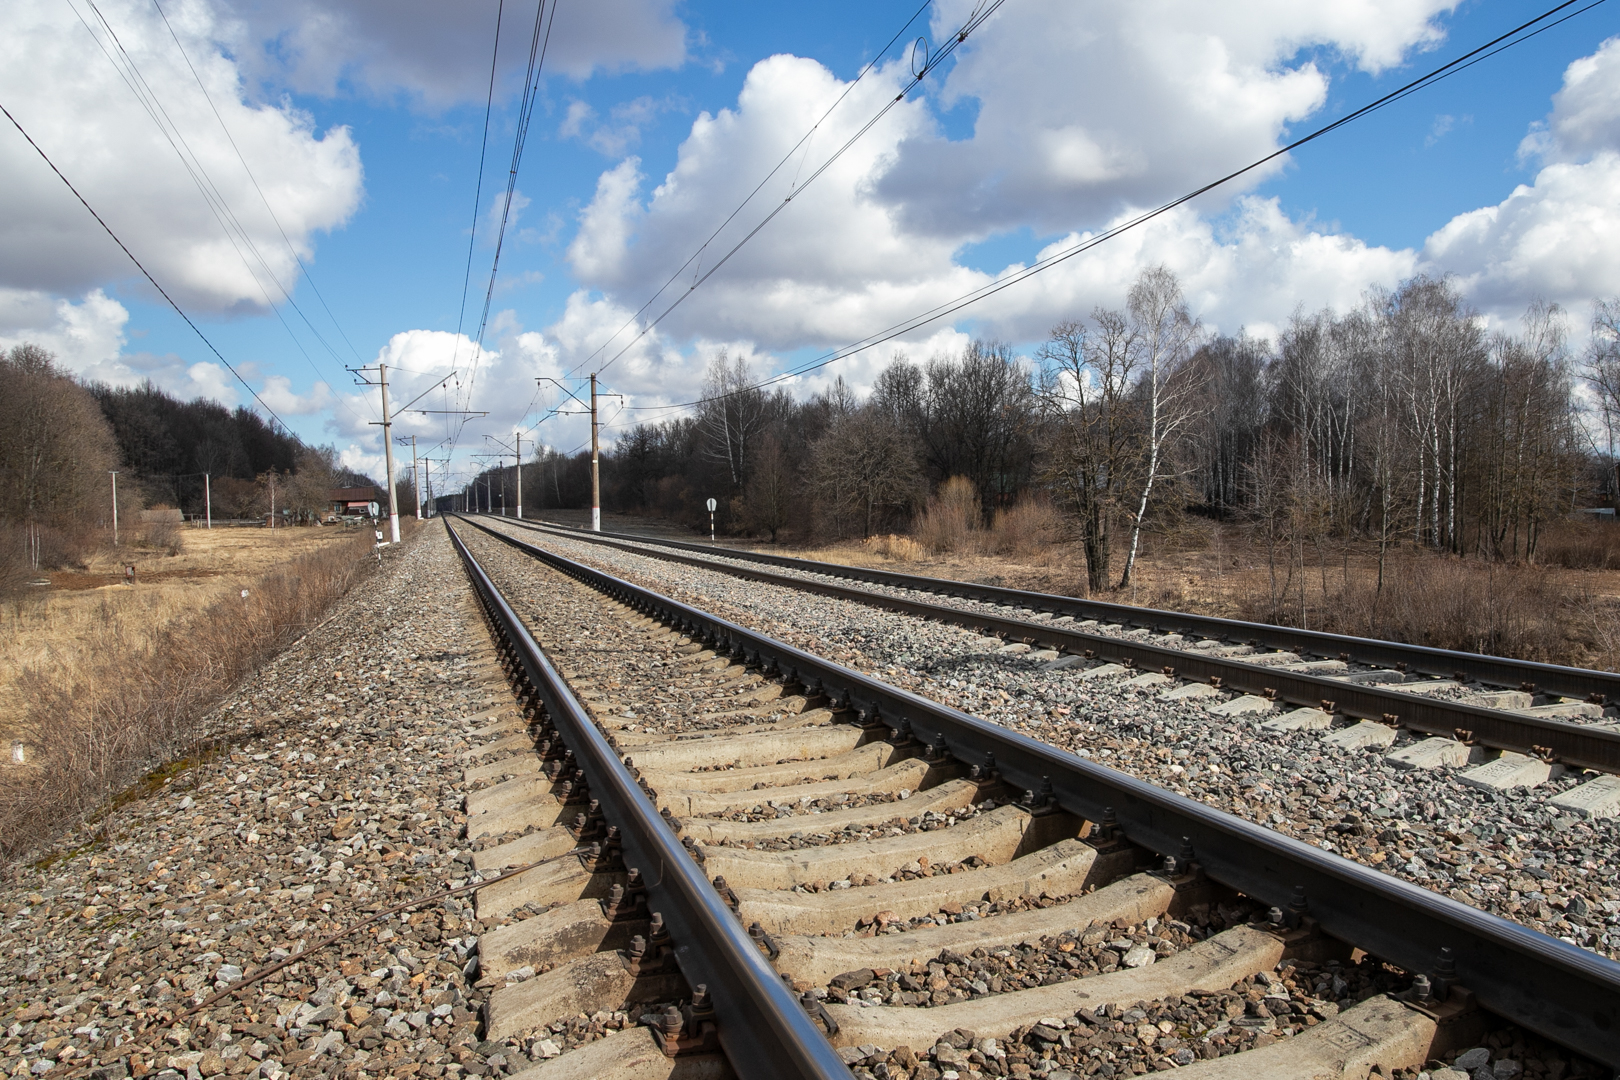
(596,468)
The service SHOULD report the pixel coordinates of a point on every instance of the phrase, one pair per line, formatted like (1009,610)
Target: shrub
(1029,526)
(951,521)
(1581,545)
(898,548)
(163,536)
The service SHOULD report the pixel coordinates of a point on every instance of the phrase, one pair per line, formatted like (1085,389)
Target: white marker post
(712,505)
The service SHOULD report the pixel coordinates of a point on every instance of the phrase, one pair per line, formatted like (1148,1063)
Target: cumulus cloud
(621,130)
(1558,237)
(847,256)
(278,393)
(437,54)
(831,261)
(63,88)
(1585,117)
(1083,108)
(88,339)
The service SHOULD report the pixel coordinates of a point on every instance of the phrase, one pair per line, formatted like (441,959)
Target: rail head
(766,1033)
(1548,986)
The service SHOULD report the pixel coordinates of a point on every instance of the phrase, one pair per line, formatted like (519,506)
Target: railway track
(1385,683)
(861,878)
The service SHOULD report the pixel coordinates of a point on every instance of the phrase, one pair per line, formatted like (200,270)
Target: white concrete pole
(416,479)
(115,508)
(388,457)
(208,499)
(519,456)
(596,474)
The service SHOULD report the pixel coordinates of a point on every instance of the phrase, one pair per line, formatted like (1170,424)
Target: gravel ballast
(1512,853)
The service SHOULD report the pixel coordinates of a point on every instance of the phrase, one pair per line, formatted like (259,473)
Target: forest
(1401,423)
(61,439)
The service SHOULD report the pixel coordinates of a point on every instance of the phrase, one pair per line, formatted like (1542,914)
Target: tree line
(1400,422)
(60,439)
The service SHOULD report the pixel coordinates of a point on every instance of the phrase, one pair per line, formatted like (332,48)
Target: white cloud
(437,54)
(88,339)
(845,259)
(1083,108)
(1557,238)
(61,86)
(620,132)
(277,392)
(832,262)
(1585,118)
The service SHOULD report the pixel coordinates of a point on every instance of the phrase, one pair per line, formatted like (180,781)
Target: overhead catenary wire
(148,275)
(979,16)
(538,45)
(246,168)
(1469,59)
(478,189)
(803,140)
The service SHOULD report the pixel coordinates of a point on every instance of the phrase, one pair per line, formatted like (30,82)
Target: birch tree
(1166,334)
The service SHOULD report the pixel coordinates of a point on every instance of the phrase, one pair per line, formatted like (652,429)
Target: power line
(1461,63)
(757,188)
(929,63)
(531,95)
(304,269)
(233,228)
(478,191)
(272,413)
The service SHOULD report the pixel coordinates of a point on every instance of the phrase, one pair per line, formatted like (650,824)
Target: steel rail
(1582,745)
(1441,663)
(761,1026)
(1553,988)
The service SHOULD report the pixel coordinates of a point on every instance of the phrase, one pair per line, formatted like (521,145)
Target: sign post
(712,505)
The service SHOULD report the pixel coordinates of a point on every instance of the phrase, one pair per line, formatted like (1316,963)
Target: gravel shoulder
(339,795)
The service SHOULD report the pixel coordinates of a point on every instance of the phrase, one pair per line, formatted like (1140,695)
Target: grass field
(92,612)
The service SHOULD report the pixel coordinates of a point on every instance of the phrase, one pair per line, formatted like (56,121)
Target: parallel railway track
(1032,816)
(1591,745)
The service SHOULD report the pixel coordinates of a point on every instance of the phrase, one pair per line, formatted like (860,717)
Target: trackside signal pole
(596,468)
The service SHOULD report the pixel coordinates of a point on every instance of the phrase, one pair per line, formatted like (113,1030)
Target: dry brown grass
(119,679)
(1027,528)
(951,521)
(92,612)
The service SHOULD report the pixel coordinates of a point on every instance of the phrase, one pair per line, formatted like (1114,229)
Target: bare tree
(733,414)
(769,497)
(1601,372)
(976,419)
(1166,334)
(864,466)
(55,444)
(1086,380)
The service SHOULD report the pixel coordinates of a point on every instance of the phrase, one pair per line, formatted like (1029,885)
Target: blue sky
(362,125)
